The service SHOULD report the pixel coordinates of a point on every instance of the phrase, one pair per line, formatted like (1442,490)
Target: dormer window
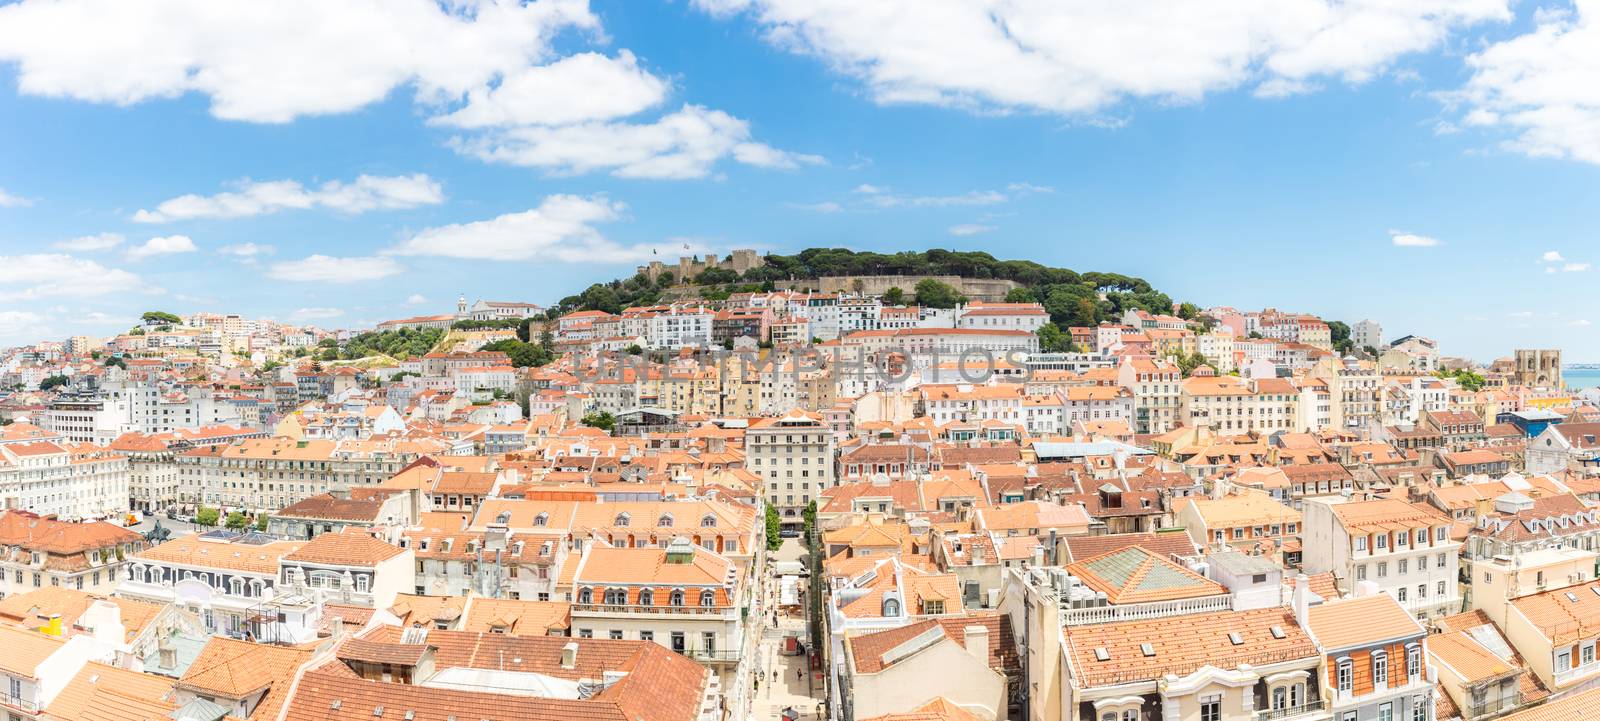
(708,521)
(621,520)
(708,598)
(541,519)
(677,597)
(585,596)
(665,521)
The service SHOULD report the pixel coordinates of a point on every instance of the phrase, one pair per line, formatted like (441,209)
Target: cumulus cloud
(1085,58)
(368,192)
(247,250)
(162,245)
(683,144)
(561,229)
(1412,240)
(274,62)
(591,86)
(1539,87)
(49,275)
(1552,256)
(415,299)
(7,200)
(91,243)
(484,67)
(965,229)
(328,269)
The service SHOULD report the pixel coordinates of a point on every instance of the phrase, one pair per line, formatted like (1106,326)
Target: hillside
(1072,298)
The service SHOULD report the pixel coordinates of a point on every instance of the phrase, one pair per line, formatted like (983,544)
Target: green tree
(116,361)
(159,317)
(894,296)
(261,522)
(1021,295)
(206,516)
(937,294)
(809,515)
(1188,311)
(774,529)
(1340,334)
(1053,340)
(53,382)
(600,419)
(236,521)
(634,349)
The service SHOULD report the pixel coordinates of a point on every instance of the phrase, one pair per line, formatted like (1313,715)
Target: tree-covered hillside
(1072,298)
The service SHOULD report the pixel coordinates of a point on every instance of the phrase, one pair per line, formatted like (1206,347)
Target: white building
(1398,548)
(793,454)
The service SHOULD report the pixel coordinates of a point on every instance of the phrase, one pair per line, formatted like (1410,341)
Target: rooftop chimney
(569,655)
(978,642)
(1302,598)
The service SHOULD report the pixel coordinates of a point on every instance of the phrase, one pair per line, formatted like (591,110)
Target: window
(614,634)
(665,521)
(677,597)
(1130,715)
(1403,566)
(708,598)
(647,597)
(616,597)
(621,520)
(1441,588)
(647,635)
(1361,572)
(1383,569)
(1380,669)
(1383,540)
(708,521)
(1211,708)
(1346,678)
(585,633)
(1386,712)
(1280,698)
(1414,662)
(1564,659)
(1400,594)
(585,596)
(1419,708)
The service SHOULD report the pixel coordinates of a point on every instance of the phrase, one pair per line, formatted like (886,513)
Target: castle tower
(461,307)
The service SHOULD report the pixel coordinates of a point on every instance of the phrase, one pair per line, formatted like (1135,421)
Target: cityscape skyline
(1419,181)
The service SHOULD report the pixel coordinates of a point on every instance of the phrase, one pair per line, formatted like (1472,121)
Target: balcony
(18,703)
(1570,675)
(717,657)
(654,610)
(1309,707)
(1493,707)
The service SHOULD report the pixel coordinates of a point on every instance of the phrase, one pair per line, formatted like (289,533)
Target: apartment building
(224,578)
(1157,393)
(793,455)
(1232,405)
(1375,658)
(271,473)
(38,552)
(1401,549)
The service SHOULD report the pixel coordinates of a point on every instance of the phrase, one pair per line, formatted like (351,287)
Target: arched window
(708,598)
(541,519)
(616,597)
(1380,669)
(708,521)
(647,597)
(677,597)
(1346,676)
(621,520)
(585,596)
(665,521)
(503,518)
(891,607)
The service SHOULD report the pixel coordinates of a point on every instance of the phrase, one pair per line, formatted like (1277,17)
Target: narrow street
(785,680)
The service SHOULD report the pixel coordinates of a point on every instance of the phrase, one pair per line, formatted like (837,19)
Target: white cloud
(304,314)
(162,245)
(1520,314)
(368,192)
(487,67)
(824,207)
(1574,267)
(1540,87)
(867,189)
(327,269)
(1084,58)
(976,197)
(46,275)
(415,299)
(683,144)
(1412,240)
(1580,322)
(561,229)
(1552,256)
(575,89)
(90,243)
(8,200)
(966,229)
(273,62)
(247,250)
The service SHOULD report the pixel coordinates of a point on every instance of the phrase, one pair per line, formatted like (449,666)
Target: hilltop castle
(689,266)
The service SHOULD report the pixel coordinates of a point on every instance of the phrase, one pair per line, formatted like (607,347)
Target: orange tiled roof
(1368,620)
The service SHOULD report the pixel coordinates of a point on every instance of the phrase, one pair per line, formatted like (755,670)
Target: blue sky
(401,153)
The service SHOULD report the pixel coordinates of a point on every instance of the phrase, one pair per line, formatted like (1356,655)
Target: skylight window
(1101,654)
(1235,638)
(1147,649)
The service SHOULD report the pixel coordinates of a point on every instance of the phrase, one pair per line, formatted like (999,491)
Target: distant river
(1580,379)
